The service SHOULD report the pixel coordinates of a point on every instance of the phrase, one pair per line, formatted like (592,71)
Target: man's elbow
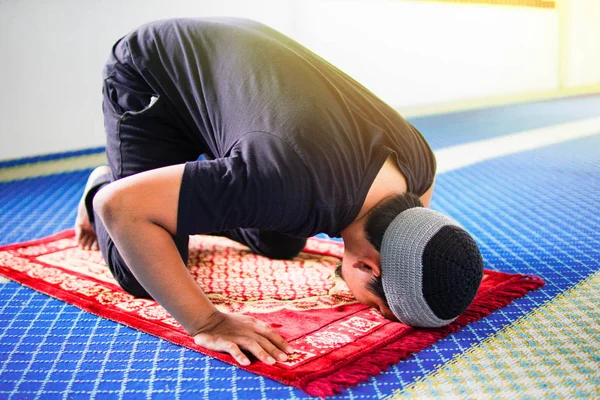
(146,198)
(111,205)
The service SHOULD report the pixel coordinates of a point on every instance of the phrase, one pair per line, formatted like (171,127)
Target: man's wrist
(204,322)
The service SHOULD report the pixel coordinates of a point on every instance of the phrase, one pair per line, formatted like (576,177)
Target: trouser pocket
(132,122)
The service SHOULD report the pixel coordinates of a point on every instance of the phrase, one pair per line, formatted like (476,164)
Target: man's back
(231,81)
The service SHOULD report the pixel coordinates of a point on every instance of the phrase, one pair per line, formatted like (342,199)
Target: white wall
(412,53)
(53,53)
(408,53)
(582,32)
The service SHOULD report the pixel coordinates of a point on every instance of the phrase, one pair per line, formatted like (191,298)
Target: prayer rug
(338,342)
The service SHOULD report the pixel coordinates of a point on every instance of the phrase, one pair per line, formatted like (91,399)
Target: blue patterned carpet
(534,212)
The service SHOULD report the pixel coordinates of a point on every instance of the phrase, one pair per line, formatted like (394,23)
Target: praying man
(291,147)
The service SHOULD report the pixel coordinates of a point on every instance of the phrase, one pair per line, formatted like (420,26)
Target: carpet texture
(338,342)
(562,336)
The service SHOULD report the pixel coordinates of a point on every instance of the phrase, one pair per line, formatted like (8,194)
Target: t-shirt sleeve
(261,184)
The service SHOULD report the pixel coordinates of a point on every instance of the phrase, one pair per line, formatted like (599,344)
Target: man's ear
(368,264)
(368,258)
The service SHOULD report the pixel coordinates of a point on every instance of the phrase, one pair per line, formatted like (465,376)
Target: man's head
(414,264)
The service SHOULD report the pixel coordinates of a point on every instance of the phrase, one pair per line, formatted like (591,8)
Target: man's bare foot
(84,233)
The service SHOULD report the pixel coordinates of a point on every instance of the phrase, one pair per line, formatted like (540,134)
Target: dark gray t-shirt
(296,142)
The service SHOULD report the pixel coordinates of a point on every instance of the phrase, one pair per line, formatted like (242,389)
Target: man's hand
(230,333)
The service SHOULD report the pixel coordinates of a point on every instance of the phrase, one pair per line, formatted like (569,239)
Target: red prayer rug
(338,342)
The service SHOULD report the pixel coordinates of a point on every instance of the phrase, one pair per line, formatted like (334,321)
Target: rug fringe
(379,360)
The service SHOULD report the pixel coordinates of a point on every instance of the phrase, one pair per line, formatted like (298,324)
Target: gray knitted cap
(431,268)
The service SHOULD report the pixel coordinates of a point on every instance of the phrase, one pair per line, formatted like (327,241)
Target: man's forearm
(140,214)
(153,258)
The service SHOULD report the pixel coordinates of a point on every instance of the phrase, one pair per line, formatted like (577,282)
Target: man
(293,147)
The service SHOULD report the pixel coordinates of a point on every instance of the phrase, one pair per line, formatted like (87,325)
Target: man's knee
(278,246)
(134,288)
(121,272)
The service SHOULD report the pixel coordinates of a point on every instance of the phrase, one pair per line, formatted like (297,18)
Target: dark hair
(379,218)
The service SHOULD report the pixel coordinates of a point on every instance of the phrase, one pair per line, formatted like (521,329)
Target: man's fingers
(259,352)
(84,242)
(77,234)
(233,349)
(266,331)
(87,242)
(79,237)
(271,349)
(224,346)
